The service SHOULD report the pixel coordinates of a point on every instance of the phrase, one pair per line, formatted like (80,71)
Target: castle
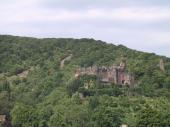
(112,74)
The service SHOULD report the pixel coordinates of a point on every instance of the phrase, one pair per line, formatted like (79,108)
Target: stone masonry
(112,74)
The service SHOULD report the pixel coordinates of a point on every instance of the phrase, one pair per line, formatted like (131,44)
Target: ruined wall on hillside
(112,74)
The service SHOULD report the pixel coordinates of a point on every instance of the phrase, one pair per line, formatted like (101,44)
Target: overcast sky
(138,24)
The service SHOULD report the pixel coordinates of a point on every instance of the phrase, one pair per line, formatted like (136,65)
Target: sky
(138,24)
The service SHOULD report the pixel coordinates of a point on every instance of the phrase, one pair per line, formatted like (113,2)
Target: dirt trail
(23,74)
(65,59)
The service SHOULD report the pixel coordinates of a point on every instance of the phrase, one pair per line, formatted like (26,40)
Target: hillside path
(65,59)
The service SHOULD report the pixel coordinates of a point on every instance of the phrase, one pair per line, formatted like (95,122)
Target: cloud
(86,4)
(140,25)
(131,14)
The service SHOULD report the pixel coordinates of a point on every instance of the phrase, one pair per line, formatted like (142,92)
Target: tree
(24,116)
(154,114)
(73,86)
(108,117)
(93,102)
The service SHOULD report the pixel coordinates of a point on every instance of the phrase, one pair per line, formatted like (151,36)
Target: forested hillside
(37,91)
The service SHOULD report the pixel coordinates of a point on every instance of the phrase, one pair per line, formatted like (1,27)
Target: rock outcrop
(162,65)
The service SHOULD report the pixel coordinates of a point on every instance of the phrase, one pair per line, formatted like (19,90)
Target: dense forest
(36,92)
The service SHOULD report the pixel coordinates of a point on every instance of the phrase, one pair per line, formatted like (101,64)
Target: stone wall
(113,74)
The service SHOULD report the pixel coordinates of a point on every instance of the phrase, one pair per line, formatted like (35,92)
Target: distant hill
(33,82)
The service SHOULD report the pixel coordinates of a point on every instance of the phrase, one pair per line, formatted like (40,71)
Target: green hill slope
(36,92)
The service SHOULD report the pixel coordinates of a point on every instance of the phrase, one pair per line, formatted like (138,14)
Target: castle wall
(113,74)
